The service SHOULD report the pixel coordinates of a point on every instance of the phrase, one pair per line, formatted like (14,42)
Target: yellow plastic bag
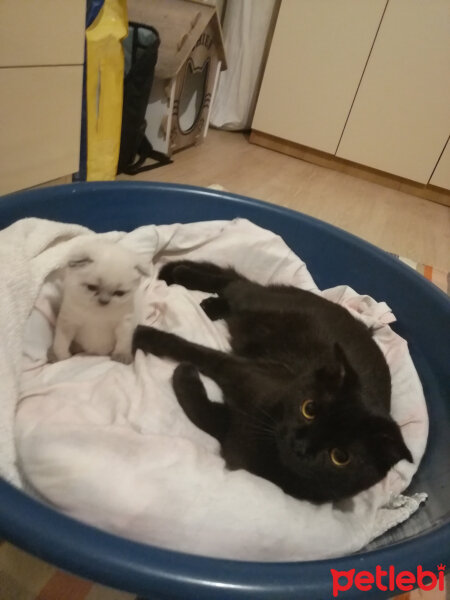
(104,89)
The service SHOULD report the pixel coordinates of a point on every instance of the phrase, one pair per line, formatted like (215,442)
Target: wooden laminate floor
(395,221)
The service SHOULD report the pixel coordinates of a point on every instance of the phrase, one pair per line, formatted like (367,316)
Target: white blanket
(108,443)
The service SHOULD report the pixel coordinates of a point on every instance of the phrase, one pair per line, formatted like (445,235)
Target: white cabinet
(363,80)
(400,119)
(42,32)
(41,82)
(41,112)
(316,60)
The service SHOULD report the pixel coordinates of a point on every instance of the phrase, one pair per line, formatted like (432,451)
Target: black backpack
(141,53)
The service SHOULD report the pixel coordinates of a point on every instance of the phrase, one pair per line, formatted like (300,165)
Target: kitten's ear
(390,444)
(342,361)
(79,260)
(142,269)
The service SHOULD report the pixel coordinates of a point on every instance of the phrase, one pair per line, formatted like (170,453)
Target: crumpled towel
(107,443)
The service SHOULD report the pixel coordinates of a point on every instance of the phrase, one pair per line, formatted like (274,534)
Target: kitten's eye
(308,409)
(339,457)
(119,293)
(91,287)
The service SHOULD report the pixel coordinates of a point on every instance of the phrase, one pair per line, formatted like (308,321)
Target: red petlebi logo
(391,580)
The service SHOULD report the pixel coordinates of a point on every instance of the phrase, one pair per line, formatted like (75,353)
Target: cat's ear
(390,445)
(142,269)
(347,375)
(81,259)
(338,373)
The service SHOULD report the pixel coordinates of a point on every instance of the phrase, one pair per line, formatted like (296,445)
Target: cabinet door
(41,32)
(40,113)
(316,60)
(441,175)
(400,119)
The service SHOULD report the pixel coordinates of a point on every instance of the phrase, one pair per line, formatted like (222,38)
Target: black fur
(288,346)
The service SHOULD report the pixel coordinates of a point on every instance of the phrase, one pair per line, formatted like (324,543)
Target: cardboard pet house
(191,56)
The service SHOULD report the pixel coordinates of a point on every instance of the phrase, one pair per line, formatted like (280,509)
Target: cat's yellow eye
(308,409)
(339,457)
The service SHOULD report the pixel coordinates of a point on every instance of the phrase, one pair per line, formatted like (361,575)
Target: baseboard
(429,192)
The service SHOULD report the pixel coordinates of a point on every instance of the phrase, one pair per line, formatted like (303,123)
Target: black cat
(306,389)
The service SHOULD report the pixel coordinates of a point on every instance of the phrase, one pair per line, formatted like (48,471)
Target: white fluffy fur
(96,314)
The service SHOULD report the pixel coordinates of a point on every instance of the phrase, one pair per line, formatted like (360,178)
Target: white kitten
(96,314)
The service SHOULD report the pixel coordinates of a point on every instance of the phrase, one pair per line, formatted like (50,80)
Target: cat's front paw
(187,386)
(184,372)
(122,357)
(169,271)
(141,339)
(53,356)
(150,340)
(216,308)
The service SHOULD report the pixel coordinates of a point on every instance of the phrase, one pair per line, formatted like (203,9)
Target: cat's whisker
(255,423)
(257,427)
(267,436)
(262,421)
(265,414)
(262,438)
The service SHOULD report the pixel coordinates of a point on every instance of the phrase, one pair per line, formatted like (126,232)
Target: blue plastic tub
(333,257)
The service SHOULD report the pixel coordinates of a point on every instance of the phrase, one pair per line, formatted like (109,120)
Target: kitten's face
(103,276)
(333,447)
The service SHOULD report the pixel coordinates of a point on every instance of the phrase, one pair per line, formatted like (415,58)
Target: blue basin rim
(148,570)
